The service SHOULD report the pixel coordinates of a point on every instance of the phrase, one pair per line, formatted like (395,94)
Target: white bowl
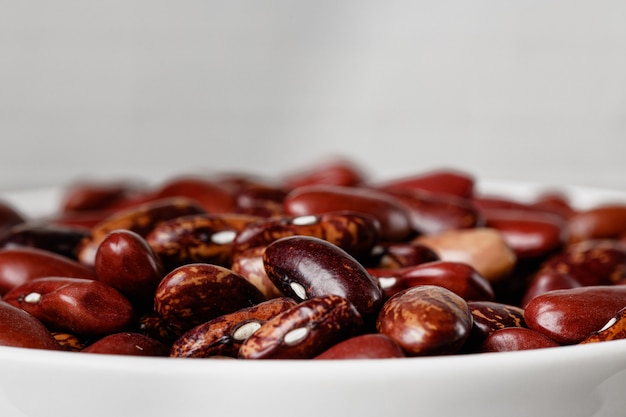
(584,380)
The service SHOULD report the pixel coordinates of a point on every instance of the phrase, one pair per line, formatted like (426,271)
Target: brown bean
(426,320)
(303,267)
(603,222)
(20,265)
(304,331)
(75,305)
(20,329)
(516,338)
(490,316)
(195,293)
(403,254)
(127,343)
(224,335)
(125,261)
(140,219)
(392,216)
(460,278)
(199,238)
(366,346)
(569,316)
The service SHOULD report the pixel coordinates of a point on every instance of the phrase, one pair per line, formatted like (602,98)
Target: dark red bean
(334,172)
(59,239)
(442,181)
(516,338)
(603,222)
(20,329)
(128,343)
(366,346)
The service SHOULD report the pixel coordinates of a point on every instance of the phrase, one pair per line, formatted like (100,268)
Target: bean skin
(516,338)
(129,344)
(303,267)
(366,346)
(20,329)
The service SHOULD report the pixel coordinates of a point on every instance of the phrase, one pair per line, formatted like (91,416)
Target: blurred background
(521,90)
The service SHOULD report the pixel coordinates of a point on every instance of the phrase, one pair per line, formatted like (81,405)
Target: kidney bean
(75,305)
(97,195)
(9,216)
(195,293)
(548,279)
(490,316)
(366,346)
(614,329)
(354,232)
(156,327)
(483,248)
(426,320)
(255,197)
(393,218)
(403,254)
(460,278)
(554,202)
(441,181)
(212,197)
(516,338)
(591,262)
(199,238)
(603,222)
(305,330)
(140,219)
(224,335)
(127,343)
(20,329)
(529,234)
(249,264)
(569,316)
(436,213)
(331,172)
(59,239)
(126,262)
(303,267)
(20,265)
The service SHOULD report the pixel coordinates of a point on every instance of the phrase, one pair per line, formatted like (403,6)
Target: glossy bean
(614,329)
(303,267)
(516,338)
(224,335)
(75,305)
(59,239)
(366,346)
(426,320)
(249,264)
(305,330)
(211,196)
(402,254)
(20,265)
(21,329)
(195,293)
(569,316)
(392,216)
(126,262)
(440,181)
(603,222)
(331,172)
(129,344)
(460,278)
(489,316)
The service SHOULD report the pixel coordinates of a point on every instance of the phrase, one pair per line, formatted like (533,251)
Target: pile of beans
(320,264)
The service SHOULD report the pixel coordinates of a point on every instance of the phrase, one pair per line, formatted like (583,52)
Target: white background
(525,90)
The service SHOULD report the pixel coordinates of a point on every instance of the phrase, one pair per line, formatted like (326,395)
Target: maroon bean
(75,305)
(20,265)
(366,346)
(94,195)
(127,343)
(211,196)
(603,222)
(20,329)
(516,338)
(529,234)
(548,279)
(199,238)
(140,219)
(304,331)
(303,267)
(392,216)
(335,172)
(59,239)
(125,261)
(195,293)
(569,316)
(9,216)
(224,335)
(442,181)
(490,316)
(460,278)
(426,320)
